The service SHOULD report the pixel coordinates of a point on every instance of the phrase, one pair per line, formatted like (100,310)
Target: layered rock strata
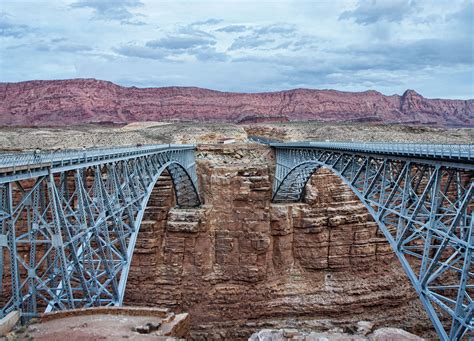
(81,101)
(239,263)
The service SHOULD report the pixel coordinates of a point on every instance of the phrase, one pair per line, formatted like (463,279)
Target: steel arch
(422,204)
(70,222)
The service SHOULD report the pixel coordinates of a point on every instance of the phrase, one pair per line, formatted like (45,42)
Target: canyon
(240,263)
(86,101)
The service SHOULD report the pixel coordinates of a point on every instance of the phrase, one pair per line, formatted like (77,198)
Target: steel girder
(69,223)
(422,204)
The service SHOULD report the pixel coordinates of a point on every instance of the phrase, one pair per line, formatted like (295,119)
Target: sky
(245,46)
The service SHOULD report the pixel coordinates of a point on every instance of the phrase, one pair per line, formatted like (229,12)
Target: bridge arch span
(423,206)
(69,221)
(186,195)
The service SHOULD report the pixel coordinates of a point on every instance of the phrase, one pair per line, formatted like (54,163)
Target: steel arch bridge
(69,221)
(421,196)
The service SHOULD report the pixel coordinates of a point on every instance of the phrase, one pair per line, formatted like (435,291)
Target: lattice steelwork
(421,196)
(69,221)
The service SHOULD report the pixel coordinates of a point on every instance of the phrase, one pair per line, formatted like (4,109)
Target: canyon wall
(83,101)
(240,263)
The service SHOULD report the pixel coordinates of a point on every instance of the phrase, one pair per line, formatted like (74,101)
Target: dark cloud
(209,55)
(174,46)
(136,51)
(58,40)
(192,31)
(371,11)
(233,28)
(268,37)
(262,37)
(250,42)
(414,54)
(306,42)
(182,42)
(211,21)
(111,10)
(276,29)
(10,29)
(381,64)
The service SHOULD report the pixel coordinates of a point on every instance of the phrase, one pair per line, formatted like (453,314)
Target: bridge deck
(12,165)
(447,152)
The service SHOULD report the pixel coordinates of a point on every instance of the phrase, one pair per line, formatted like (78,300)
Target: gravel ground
(16,139)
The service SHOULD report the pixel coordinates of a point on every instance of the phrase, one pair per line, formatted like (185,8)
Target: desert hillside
(83,101)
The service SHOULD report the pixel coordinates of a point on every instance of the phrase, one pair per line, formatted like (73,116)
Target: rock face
(239,263)
(81,101)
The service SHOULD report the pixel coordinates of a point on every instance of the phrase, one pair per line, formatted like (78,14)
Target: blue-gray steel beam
(421,196)
(79,213)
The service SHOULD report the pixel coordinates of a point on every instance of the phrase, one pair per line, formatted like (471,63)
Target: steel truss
(421,196)
(69,221)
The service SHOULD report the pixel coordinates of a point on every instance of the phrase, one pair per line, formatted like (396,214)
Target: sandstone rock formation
(81,101)
(240,264)
(382,334)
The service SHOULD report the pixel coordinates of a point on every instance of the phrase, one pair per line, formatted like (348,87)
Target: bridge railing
(447,151)
(14,160)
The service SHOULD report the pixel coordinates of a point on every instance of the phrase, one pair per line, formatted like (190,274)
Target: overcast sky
(244,46)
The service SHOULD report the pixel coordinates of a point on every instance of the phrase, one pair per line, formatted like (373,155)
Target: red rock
(81,101)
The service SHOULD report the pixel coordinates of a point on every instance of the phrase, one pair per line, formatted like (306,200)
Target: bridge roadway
(19,166)
(77,214)
(437,152)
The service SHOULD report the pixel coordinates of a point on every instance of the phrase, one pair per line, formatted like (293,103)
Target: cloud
(137,51)
(9,29)
(371,11)
(211,21)
(180,42)
(209,55)
(200,53)
(61,45)
(250,42)
(407,55)
(68,47)
(279,29)
(233,28)
(463,19)
(265,37)
(192,31)
(117,10)
(389,45)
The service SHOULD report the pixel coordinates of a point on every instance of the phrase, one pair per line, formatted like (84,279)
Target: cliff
(240,263)
(85,101)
